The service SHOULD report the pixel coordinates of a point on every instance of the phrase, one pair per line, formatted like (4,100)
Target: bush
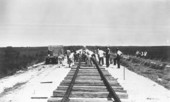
(154,52)
(14,59)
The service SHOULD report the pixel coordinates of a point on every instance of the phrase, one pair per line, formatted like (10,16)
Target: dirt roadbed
(38,83)
(34,85)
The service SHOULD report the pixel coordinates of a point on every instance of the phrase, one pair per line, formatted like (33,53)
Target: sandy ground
(40,81)
(139,88)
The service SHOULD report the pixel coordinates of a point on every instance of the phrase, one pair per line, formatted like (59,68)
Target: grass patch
(159,75)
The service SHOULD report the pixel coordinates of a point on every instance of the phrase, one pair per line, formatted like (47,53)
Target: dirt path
(139,88)
(35,85)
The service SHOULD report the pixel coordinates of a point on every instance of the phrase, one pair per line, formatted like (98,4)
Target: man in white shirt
(118,56)
(71,59)
(101,57)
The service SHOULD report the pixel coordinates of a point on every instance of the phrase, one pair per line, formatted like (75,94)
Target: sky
(84,22)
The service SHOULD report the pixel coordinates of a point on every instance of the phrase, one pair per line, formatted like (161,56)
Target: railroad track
(89,84)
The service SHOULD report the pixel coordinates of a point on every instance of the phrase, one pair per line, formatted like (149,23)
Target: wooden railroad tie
(88,86)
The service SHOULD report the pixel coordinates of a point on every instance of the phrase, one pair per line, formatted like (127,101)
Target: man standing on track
(107,57)
(118,56)
(68,54)
(101,57)
(71,59)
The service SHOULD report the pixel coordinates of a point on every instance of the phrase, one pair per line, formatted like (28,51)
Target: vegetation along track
(88,84)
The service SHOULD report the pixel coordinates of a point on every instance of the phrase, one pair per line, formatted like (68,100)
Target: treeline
(154,52)
(13,59)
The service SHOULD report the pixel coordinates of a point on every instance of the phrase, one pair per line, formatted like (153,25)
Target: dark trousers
(117,59)
(107,61)
(101,60)
(69,62)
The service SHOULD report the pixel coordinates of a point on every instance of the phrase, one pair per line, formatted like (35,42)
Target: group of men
(141,54)
(98,55)
(107,55)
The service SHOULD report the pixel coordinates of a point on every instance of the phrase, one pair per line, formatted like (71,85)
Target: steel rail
(69,89)
(112,93)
